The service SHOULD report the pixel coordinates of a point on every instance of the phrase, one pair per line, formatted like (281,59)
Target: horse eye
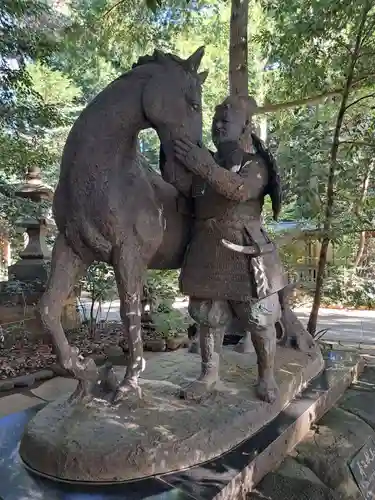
(195,106)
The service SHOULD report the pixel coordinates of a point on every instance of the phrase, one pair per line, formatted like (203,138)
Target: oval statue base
(100,443)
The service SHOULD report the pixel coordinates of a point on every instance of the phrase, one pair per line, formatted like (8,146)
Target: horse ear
(195,59)
(202,76)
(158,54)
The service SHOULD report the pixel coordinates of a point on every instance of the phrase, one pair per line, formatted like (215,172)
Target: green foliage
(161,289)
(99,282)
(160,292)
(170,322)
(308,44)
(25,35)
(99,285)
(349,290)
(33,98)
(53,86)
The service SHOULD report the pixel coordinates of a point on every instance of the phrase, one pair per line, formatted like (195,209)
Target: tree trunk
(358,210)
(311,326)
(360,250)
(238,47)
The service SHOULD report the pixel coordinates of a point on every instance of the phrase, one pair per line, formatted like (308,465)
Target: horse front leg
(129,272)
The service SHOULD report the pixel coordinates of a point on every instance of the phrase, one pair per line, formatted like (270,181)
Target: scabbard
(253,250)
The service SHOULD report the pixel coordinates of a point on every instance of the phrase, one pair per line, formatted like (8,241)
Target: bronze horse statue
(109,208)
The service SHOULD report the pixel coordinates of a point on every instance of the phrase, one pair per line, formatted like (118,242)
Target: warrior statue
(231,268)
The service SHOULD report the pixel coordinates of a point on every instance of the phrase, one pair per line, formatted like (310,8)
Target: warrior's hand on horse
(235,186)
(191,155)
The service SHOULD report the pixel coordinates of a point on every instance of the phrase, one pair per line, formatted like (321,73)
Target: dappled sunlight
(164,431)
(344,325)
(150,430)
(161,428)
(283,370)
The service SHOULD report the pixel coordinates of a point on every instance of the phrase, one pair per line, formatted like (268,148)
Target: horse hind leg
(66,269)
(129,271)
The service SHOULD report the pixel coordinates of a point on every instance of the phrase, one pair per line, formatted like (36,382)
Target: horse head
(172,96)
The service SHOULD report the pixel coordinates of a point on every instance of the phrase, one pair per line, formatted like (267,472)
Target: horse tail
(82,236)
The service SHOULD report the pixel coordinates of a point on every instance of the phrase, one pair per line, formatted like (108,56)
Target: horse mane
(161,58)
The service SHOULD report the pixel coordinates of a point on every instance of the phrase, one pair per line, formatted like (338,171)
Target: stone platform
(228,477)
(102,443)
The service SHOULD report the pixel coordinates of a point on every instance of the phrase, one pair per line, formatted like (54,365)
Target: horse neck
(123,99)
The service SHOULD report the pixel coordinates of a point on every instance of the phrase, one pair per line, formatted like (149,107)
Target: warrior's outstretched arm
(247,184)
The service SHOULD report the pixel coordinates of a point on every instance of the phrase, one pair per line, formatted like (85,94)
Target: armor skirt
(212,271)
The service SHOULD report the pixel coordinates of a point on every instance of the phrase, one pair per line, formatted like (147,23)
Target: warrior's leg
(260,320)
(212,318)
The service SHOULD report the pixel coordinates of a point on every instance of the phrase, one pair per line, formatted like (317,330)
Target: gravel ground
(27,356)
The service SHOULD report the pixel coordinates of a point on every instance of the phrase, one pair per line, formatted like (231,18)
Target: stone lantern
(27,278)
(33,266)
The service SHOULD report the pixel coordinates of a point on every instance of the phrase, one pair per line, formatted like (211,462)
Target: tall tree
(238,48)
(361,30)
(323,48)
(32,98)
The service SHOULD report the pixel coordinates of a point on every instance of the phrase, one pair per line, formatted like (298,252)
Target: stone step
(319,465)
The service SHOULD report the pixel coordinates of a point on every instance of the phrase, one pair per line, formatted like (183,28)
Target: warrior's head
(232,120)
(231,125)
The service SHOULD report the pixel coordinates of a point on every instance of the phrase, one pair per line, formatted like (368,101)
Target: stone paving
(317,469)
(354,326)
(342,324)
(16,402)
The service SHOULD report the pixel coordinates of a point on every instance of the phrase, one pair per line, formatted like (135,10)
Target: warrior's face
(228,123)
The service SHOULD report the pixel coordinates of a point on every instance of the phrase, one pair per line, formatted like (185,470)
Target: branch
(344,45)
(369,28)
(368,96)
(359,143)
(272,108)
(363,54)
(107,12)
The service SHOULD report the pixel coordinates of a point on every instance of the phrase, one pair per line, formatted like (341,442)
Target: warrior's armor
(211,270)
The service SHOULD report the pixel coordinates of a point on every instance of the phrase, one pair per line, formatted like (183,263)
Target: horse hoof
(81,368)
(197,390)
(83,392)
(244,347)
(127,390)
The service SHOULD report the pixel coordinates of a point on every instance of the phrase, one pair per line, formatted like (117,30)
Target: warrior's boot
(211,340)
